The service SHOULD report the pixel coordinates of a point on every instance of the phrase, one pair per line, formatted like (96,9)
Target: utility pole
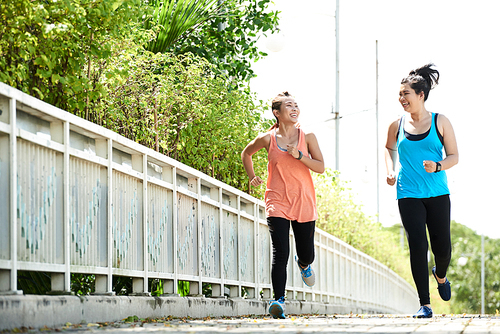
(376,130)
(482,273)
(337,90)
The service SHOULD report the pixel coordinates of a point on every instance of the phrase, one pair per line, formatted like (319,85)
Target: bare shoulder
(310,137)
(443,120)
(263,139)
(443,124)
(397,121)
(265,136)
(394,126)
(309,134)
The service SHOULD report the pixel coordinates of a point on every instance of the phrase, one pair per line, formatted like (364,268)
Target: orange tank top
(290,189)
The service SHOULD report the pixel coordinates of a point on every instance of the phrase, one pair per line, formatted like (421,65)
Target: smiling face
(410,100)
(289,111)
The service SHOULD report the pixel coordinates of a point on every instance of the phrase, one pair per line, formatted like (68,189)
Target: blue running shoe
(443,288)
(423,312)
(277,308)
(307,273)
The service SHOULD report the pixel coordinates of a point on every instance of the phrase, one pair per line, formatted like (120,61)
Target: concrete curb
(53,311)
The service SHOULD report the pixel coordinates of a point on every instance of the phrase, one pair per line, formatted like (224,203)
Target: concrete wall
(55,311)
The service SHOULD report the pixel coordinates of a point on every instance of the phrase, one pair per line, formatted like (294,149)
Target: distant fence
(78,198)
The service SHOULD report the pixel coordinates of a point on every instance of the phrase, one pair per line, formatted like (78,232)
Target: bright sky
(460,37)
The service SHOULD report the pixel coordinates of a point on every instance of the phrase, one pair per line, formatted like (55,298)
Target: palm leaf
(176,17)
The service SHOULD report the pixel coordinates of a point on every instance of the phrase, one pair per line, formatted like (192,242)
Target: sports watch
(438,167)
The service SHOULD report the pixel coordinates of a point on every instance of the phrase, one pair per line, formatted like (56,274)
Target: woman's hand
(312,158)
(256,181)
(391,152)
(391,178)
(430,166)
(293,151)
(262,141)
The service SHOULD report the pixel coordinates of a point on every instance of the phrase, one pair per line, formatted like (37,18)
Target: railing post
(268,292)
(66,214)
(198,249)
(256,250)
(175,229)
(110,215)
(140,285)
(145,221)
(13,197)
(221,245)
(238,205)
(359,295)
(319,275)
(289,294)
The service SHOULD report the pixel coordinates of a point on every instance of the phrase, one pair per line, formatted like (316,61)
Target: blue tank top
(413,181)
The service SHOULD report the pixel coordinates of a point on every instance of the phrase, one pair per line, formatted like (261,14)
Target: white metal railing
(78,198)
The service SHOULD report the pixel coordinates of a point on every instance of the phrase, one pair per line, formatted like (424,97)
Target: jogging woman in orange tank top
(290,196)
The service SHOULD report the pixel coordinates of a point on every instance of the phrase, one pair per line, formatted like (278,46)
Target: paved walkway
(294,324)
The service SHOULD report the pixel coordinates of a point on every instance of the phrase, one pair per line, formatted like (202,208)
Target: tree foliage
(229,39)
(466,278)
(88,57)
(176,17)
(47,48)
(176,105)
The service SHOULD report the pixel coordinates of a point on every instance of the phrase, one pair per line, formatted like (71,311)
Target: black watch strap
(438,167)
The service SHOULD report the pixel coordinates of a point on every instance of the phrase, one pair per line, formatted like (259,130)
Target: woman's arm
(262,141)
(315,161)
(450,146)
(391,152)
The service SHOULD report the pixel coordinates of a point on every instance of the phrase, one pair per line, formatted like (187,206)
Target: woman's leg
(438,224)
(279,228)
(414,215)
(304,241)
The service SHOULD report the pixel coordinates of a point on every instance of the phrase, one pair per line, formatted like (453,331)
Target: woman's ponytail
(423,79)
(276,105)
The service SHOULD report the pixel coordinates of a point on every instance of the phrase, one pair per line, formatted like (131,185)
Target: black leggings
(434,212)
(304,244)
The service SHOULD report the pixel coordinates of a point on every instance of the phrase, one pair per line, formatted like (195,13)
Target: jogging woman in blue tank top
(419,138)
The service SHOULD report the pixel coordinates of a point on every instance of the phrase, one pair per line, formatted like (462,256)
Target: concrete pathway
(453,324)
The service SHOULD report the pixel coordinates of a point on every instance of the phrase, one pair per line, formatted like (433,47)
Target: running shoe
(307,273)
(277,308)
(443,288)
(423,312)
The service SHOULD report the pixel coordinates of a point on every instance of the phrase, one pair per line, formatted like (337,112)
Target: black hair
(276,105)
(423,79)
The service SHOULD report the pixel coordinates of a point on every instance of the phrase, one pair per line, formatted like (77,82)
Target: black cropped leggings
(304,244)
(416,215)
